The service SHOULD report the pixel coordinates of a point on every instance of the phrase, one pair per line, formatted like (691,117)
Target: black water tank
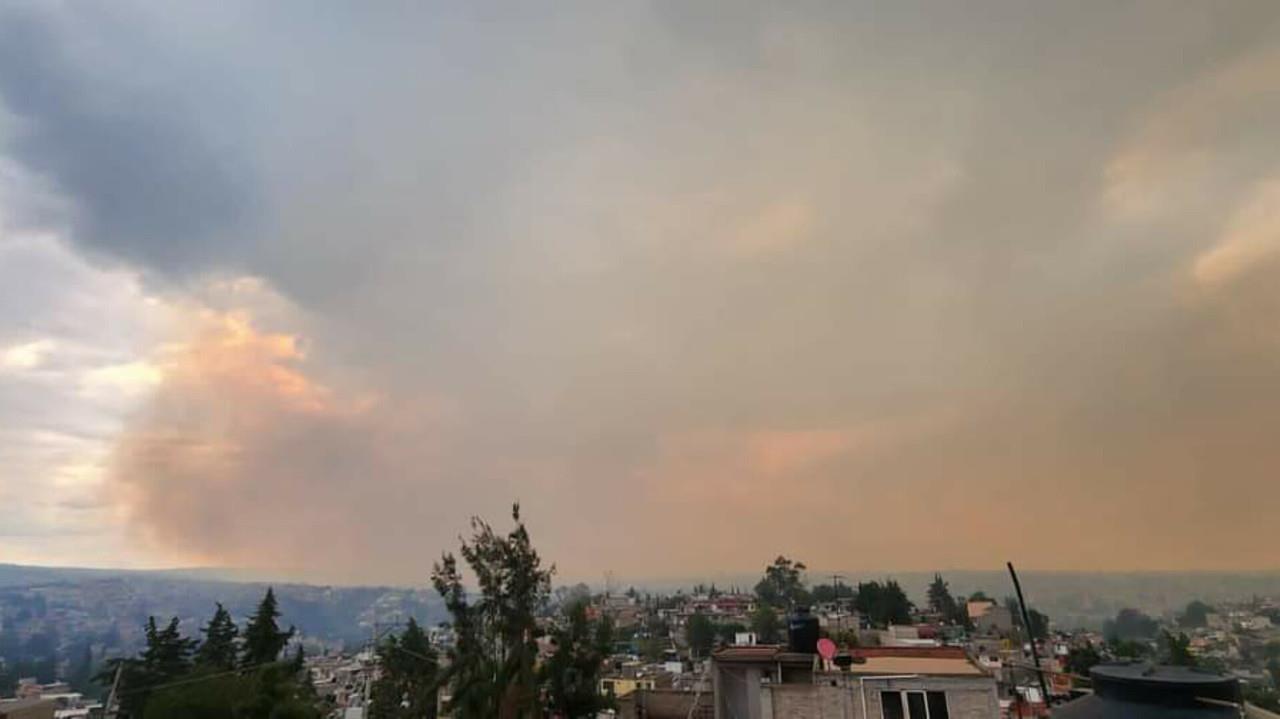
(802,631)
(1161,684)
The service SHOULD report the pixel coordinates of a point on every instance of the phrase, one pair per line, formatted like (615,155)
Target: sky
(875,285)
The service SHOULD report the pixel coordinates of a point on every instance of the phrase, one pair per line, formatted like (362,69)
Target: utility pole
(111,710)
(1026,622)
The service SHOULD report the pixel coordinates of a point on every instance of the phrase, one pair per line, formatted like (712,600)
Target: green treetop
(263,638)
(219,651)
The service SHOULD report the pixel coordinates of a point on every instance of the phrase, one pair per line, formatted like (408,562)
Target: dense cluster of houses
(925,669)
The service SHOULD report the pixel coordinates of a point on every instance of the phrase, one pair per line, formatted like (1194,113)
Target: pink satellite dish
(826,648)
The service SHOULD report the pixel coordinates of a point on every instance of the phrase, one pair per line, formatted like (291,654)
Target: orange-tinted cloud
(199,470)
(1251,238)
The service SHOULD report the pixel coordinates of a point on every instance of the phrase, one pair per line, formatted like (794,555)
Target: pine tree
(219,649)
(573,671)
(263,638)
(265,688)
(943,603)
(407,687)
(167,655)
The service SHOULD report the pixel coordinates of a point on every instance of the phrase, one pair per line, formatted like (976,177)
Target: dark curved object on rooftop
(1139,690)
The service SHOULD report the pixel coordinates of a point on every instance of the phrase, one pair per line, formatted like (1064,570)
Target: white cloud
(66,393)
(25,356)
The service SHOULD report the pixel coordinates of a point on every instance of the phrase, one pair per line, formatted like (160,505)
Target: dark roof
(1095,707)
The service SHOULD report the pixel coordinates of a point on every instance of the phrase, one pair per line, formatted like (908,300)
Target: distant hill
(13,575)
(125,598)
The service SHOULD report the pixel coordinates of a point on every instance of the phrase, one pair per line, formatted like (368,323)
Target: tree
(1272,652)
(766,625)
(1195,615)
(491,665)
(883,604)
(653,649)
(941,602)
(1176,650)
(1261,696)
(727,633)
(215,698)
(783,584)
(165,657)
(218,651)
(406,688)
(271,692)
(263,638)
(1081,659)
(81,676)
(1130,624)
(566,595)
(701,634)
(1039,624)
(572,673)
(845,637)
(1039,621)
(164,681)
(831,592)
(1128,648)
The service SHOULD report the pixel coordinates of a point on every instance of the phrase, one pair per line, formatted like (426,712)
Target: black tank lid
(1162,684)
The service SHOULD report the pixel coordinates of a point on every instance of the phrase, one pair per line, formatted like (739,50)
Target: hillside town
(784,647)
(848,359)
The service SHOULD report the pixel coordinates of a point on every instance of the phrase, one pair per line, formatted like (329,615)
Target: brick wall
(966,698)
(665,704)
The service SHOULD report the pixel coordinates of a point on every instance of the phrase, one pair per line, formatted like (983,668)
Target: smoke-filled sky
(876,285)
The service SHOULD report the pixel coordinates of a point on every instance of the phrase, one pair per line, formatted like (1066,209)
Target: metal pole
(111,710)
(1026,622)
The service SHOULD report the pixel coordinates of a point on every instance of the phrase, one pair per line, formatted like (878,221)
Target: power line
(201,678)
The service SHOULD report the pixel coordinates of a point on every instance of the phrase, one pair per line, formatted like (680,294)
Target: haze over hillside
(1071,599)
(122,600)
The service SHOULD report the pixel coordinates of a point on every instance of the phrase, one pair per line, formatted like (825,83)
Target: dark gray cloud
(135,132)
